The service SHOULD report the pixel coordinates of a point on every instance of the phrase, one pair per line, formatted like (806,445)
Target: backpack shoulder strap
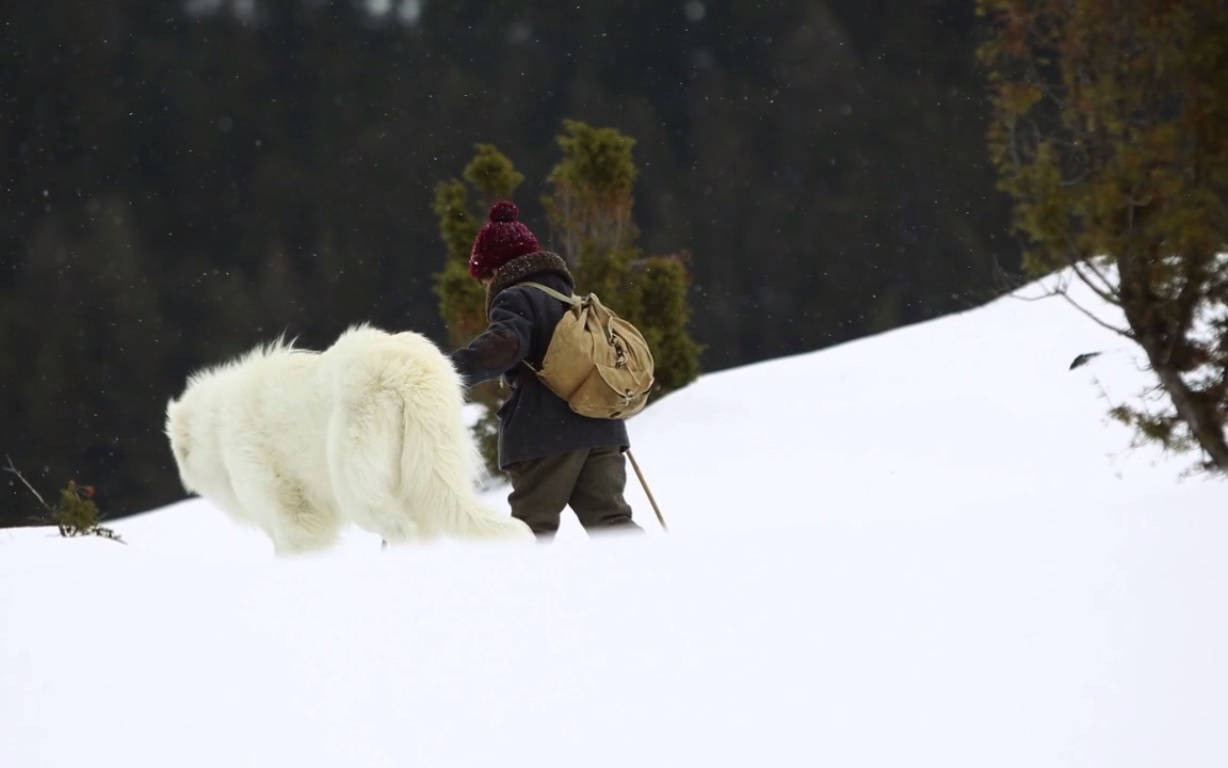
(570,300)
(573,300)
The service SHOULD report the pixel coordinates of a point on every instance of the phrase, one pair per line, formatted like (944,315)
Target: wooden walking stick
(635,465)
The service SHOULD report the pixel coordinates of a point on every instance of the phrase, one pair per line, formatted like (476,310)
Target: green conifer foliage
(589,207)
(663,281)
(1108,134)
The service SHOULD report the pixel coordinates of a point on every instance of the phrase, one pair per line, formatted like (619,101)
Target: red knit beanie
(500,240)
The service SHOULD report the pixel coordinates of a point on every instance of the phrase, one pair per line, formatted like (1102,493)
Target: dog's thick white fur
(369,432)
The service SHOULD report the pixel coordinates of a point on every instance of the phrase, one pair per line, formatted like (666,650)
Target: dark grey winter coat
(534,422)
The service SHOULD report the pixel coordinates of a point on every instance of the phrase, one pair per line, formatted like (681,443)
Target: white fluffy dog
(301,443)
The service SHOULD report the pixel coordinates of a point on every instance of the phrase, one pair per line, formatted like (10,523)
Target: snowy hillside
(926,548)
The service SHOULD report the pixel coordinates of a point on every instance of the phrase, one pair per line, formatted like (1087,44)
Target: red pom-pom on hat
(500,240)
(504,210)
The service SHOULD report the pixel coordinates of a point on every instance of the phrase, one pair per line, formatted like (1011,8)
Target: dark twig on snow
(1081,360)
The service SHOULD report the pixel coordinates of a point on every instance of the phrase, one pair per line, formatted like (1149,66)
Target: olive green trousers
(591,481)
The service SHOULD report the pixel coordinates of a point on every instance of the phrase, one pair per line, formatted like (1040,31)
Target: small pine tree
(589,210)
(76,514)
(663,281)
(589,216)
(589,207)
(462,300)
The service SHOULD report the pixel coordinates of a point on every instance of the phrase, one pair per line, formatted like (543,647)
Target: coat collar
(523,267)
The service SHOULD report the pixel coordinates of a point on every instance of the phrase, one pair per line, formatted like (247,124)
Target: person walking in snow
(554,456)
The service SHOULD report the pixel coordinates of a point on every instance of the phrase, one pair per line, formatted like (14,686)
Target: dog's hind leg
(397,529)
(284,511)
(304,527)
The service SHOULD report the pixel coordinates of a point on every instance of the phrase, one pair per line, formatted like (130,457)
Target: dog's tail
(440,467)
(407,448)
(441,462)
(480,522)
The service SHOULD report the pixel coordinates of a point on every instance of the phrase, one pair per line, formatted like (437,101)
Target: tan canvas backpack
(596,361)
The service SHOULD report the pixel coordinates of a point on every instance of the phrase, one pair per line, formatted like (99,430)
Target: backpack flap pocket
(611,393)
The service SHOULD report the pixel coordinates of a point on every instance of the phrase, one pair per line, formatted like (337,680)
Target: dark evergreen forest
(185,179)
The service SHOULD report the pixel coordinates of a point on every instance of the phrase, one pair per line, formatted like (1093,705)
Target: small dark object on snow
(1082,360)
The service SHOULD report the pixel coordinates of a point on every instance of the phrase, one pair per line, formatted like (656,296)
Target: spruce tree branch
(1062,290)
(1124,333)
(1105,289)
(1030,299)
(12,468)
(1107,292)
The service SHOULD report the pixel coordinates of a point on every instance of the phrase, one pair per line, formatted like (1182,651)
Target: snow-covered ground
(926,548)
